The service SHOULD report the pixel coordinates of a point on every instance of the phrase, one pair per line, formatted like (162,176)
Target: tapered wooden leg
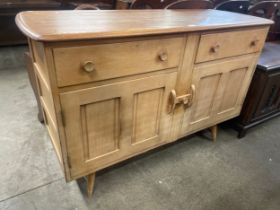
(90,184)
(214,131)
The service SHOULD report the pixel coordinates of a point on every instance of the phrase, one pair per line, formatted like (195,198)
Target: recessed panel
(146,114)
(207,88)
(232,89)
(46,96)
(100,125)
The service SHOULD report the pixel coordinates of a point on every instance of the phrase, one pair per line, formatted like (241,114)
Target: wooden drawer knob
(163,56)
(215,48)
(88,66)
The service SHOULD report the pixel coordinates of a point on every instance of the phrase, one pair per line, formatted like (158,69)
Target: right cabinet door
(220,89)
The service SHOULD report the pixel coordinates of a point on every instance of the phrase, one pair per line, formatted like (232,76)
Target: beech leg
(90,184)
(214,131)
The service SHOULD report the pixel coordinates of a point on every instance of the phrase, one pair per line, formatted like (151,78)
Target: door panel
(207,89)
(146,115)
(220,90)
(103,137)
(235,80)
(109,123)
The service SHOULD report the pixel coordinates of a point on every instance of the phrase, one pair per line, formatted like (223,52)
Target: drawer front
(76,65)
(226,44)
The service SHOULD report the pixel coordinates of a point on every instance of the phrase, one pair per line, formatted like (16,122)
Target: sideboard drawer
(214,46)
(82,64)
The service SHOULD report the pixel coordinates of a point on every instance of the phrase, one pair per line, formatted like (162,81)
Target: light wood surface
(214,132)
(107,100)
(127,117)
(220,90)
(77,25)
(113,60)
(90,184)
(221,45)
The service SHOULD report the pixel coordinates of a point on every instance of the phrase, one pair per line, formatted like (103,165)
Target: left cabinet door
(109,123)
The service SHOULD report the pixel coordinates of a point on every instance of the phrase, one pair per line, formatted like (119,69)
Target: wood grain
(118,120)
(116,59)
(221,87)
(221,45)
(117,106)
(77,25)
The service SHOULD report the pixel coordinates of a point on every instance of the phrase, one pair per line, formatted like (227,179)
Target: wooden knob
(88,66)
(215,48)
(254,42)
(163,56)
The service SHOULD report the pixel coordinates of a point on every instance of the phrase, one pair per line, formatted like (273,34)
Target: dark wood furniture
(87,7)
(269,10)
(150,4)
(217,2)
(239,6)
(263,99)
(123,4)
(88,4)
(191,4)
(9,33)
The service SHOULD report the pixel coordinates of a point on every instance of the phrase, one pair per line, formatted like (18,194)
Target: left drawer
(83,64)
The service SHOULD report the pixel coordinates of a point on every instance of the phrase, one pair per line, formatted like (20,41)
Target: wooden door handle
(193,92)
(172,101)
(186,99)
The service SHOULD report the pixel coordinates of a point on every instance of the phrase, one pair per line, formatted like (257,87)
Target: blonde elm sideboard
(114,84)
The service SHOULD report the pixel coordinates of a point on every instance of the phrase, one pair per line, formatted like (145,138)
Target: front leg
(214,132)
(90,184)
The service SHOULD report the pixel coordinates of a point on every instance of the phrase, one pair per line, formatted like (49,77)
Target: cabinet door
(269,102)
(108,123)
(221,87)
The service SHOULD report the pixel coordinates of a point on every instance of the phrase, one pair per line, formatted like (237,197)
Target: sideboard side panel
(44,88)
(48,51)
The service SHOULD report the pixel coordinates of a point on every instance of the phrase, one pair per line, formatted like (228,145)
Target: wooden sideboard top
(77,25)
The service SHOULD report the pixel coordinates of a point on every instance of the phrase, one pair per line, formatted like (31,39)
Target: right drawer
(219,45)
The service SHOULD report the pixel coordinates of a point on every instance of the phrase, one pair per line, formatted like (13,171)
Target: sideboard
(263,99)
(114,84)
